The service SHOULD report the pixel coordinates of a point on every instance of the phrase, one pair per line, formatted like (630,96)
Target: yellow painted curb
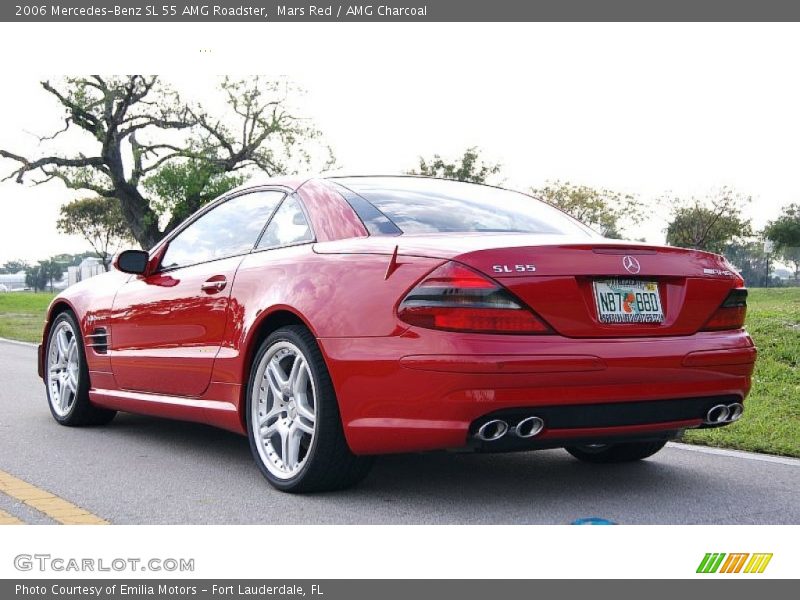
(51,505)
(9,519)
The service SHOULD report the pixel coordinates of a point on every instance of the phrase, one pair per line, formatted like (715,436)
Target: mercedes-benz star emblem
(631,265)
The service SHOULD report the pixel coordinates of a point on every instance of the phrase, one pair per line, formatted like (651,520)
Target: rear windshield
(422,205)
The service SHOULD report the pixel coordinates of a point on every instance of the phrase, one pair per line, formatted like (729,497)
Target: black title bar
(399,10)
(397,589)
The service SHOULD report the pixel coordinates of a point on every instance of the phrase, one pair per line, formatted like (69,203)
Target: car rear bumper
(427,389)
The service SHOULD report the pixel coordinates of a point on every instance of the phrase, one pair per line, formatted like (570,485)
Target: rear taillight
(456,298)
(731,314)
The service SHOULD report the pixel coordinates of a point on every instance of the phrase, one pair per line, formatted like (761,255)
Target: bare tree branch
(142,128)
(56,161)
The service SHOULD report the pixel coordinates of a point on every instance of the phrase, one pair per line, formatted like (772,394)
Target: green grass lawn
(22,315)
(771,421)
(772,416)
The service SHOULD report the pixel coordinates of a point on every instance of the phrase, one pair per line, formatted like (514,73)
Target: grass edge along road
(771,421)
(772,417)
(22,315)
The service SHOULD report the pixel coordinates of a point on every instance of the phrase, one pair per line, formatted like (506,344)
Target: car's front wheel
(67,376)
(615,453)
(293,420)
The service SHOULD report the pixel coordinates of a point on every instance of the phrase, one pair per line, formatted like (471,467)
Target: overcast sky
(647,109)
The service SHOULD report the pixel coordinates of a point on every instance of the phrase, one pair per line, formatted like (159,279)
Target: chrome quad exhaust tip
(724,413)
(735,411)
(492,430)
(717,414)
(529,427)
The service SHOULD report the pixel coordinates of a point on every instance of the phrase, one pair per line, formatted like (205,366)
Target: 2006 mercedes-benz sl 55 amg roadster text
(334,319)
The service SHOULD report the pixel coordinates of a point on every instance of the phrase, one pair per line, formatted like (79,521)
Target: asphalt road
(141,470)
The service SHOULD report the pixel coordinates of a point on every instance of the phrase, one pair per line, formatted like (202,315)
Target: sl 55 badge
(513,268)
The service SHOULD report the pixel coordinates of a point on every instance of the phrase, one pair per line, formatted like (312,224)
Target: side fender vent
(98,340)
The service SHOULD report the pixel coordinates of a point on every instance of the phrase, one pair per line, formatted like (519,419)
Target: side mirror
(132,261)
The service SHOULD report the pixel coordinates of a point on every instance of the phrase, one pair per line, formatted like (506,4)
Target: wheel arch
(57,306)
(267,322)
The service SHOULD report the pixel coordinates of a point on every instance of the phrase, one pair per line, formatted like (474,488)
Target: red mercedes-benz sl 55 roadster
(334,319)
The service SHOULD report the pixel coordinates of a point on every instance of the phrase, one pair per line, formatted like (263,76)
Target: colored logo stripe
(758,563)
(710,562)
(713,562)
(734,563)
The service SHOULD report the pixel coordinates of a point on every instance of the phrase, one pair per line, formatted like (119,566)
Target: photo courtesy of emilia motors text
(410,299)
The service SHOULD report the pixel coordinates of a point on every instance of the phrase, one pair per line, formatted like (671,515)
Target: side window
(288,226)
(229,229)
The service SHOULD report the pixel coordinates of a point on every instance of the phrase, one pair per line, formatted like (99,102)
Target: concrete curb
(18,343)
(783,460)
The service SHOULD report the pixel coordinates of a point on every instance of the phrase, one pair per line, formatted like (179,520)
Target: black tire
(328,462)
(616,453)
(81,412)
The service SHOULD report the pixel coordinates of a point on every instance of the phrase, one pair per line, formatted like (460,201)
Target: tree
(604,210)
(100,222)
(750,260)
(709,224)
(51,270)
(467,168)
(14,266)
(36,278)
(139,126)
(791,254)
(784,232)
(44,273)
(180,189)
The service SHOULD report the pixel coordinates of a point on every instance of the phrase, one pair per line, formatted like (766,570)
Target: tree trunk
(142,219)
(135,207)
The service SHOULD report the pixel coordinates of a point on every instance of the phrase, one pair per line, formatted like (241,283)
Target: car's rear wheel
(293,420)
(67,376)
(615,453)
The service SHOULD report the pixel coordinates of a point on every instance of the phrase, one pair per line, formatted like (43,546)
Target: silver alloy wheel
(283,409)
(63,368)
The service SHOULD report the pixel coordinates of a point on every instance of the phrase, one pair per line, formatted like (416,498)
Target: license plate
(627,301)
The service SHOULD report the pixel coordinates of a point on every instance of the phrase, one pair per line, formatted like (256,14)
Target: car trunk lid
(559,281)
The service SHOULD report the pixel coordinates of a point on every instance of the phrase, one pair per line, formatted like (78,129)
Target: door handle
(213,285)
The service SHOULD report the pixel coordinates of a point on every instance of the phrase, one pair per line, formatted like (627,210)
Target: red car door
(167,328)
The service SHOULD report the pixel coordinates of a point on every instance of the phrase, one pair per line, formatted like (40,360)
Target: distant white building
(89,267)
(13,281)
